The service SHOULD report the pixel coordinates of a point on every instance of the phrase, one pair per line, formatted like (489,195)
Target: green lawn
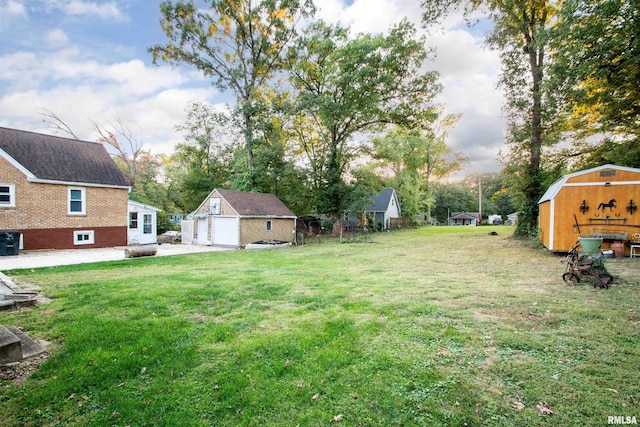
(429,327)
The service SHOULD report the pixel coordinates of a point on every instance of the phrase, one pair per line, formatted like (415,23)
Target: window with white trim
(147,224)
(133,220)
(83,237)
(7,195)
(269,225)
(77,201)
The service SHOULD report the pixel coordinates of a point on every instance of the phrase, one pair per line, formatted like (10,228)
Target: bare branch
(55,122)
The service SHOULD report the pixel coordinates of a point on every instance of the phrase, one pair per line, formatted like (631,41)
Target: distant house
(61,193)
(143,228)
(464,218)
(176,218)
(234,219)
(384,207)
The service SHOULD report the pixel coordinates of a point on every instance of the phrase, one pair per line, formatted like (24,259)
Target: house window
(84,237)
(77,201)
(146,223)
(269,225)
(133,220)
(7,195)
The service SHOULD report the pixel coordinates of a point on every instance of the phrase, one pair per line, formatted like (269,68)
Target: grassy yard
(429,327)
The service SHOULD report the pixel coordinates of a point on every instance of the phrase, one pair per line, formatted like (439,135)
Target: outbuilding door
(225,231)
(203,231)
(142,228)
(148,234)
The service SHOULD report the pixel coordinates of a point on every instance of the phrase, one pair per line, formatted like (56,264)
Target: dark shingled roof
(464,215)
(255,204)
(380,201)
(62,159)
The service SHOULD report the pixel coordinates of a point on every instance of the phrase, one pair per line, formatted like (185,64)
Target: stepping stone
(7,303)
(10,346)
(30,348)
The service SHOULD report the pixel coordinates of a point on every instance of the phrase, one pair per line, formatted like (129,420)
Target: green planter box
(590,245)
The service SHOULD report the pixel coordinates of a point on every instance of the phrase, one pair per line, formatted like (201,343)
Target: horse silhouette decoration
(610,205)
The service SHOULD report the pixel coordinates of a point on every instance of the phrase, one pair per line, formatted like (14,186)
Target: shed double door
(225,230)
(217,230)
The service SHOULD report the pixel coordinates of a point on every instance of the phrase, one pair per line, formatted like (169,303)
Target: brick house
(61,193)
(234,219)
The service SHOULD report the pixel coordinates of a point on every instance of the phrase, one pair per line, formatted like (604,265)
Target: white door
(148,229)
(133,237)
(186,230)
(226,231)
(203,231)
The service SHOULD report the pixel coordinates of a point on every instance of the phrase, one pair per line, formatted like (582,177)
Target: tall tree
(347,86)
(417,157)
(239,44)
(203,160)
(596,52)
(520,34)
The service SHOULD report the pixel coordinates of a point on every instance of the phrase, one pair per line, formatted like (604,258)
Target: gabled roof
(255,204)
(142,206)
(464,215)
(381,201)
(555,188)
(48,158)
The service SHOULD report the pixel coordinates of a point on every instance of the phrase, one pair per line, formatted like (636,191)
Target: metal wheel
(600,285)
(607,278)
(571,278)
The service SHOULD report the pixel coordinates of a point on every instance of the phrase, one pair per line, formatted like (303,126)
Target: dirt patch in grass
(17,373)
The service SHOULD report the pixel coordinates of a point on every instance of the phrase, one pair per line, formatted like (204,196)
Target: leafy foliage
(346,86)
(597,61)
(240,45)
(416,158)
(202,162)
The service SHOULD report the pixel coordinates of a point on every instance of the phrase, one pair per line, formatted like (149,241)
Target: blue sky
(87,60)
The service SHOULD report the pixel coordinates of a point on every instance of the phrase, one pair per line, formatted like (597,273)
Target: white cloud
(108,10)
(56,38)
(139,79)
(82,90)
(12,8)
(103,10)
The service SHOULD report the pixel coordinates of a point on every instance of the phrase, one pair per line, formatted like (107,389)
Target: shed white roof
(555,188)
(143,206)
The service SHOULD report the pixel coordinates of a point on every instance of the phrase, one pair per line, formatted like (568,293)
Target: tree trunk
(140,251)
(528,218)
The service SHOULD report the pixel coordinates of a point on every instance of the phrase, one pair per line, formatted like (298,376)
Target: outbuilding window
(269,225)
(133,220)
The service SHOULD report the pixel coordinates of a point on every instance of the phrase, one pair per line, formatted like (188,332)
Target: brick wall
(45,206)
